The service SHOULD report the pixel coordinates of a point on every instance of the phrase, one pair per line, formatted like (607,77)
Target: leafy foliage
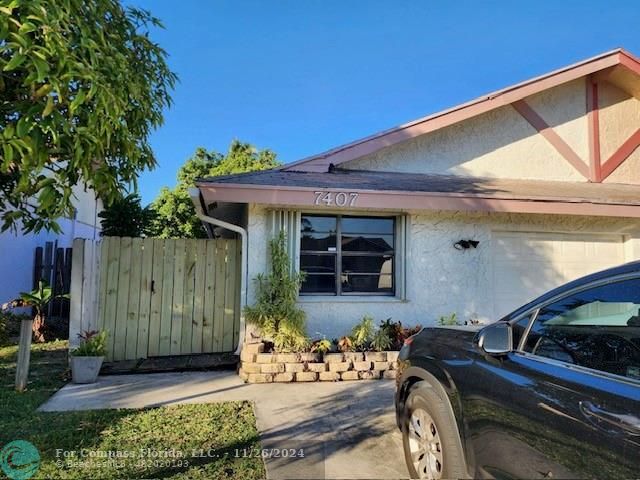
(275,312)
(175,214)
(321,346)
(3,329)
(93,344)
(396,332)
(83,86)
(362,333)
(381,340)
(126,217)
(446,320)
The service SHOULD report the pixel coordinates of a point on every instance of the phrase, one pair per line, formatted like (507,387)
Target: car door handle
(603,418)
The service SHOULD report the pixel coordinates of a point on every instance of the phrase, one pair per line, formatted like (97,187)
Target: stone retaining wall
(259,367)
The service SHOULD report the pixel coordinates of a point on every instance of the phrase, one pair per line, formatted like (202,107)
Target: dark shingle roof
(608,193)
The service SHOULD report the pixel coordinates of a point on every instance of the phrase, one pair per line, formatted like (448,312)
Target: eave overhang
(396,200)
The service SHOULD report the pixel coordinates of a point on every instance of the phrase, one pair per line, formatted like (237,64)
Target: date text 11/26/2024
(251,452)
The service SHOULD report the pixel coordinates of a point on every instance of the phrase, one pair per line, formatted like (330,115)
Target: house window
(347,255)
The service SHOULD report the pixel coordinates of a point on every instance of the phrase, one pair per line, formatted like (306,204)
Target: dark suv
(550,391)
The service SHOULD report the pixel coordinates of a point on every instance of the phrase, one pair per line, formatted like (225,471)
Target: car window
(598,328)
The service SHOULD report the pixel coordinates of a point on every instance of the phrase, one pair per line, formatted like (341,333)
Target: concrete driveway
(347,429)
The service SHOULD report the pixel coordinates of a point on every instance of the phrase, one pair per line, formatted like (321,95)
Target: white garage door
(526,265)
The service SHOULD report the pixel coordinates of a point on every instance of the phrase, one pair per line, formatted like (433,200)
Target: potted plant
(86,360)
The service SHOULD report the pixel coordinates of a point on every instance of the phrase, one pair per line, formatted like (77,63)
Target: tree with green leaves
(126,217)
(175,216)
(82,87)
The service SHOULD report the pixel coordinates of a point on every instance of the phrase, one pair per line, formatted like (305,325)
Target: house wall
(17,250)
(440,279)
(502,144)
(619,119)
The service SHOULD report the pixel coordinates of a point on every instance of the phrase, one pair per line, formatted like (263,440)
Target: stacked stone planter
(259,367)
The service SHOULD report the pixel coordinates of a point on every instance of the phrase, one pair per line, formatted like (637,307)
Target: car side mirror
(496,339)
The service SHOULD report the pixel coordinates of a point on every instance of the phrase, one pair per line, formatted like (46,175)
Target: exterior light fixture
(465,244)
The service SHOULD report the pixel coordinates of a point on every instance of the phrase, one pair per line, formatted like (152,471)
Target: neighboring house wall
(18,249)
(440,279)
(502,144)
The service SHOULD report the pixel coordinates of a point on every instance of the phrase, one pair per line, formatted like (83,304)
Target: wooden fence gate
(157,297)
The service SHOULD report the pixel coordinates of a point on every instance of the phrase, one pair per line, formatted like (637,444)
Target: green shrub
(275,312)
(362,333)
(446,320)
(381,340)
(322,346)
(94,344)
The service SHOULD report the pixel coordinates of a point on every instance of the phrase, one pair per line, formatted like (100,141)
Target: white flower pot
(85,369)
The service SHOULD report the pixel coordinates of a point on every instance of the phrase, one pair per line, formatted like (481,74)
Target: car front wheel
(429,436)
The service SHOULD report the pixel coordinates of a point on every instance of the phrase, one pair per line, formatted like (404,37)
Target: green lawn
(185,441)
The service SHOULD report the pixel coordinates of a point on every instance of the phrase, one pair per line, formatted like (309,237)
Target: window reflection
(363,262)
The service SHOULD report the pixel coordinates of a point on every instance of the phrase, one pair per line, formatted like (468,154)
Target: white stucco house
(18,249)
(473,210)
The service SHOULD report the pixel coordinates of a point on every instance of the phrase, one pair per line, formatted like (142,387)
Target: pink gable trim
(367,145)
(551,136)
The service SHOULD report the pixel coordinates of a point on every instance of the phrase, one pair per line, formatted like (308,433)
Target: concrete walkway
(347,429)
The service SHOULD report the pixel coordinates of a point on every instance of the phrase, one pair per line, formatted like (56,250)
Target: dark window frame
(338,255)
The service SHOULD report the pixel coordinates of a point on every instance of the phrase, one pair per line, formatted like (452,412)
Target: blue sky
(303,76)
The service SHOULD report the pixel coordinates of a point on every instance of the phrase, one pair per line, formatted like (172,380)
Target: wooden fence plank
(218,318)
(95,285)
(88,323)
(111,291)
(156,287)
(124,278)
(146,277)
(75,313)
(238,312)
(133,308)
(47,267)
(208,314)
(102,282)
(189,288)
(164,346)
(230,308)
(198,296)
(37,266)
(178,296)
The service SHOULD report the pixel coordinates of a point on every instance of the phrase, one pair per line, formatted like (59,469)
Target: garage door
(526,265)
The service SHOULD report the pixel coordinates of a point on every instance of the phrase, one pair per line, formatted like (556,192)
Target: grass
(182,441)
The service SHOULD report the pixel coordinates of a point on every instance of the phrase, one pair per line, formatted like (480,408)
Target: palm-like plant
(38,299)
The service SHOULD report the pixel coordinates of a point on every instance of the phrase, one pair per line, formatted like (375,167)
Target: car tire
(430,436)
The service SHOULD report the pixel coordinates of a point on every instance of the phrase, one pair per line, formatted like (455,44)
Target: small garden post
(24,353)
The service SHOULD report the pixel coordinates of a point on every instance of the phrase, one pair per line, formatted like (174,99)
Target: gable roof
(615,66)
